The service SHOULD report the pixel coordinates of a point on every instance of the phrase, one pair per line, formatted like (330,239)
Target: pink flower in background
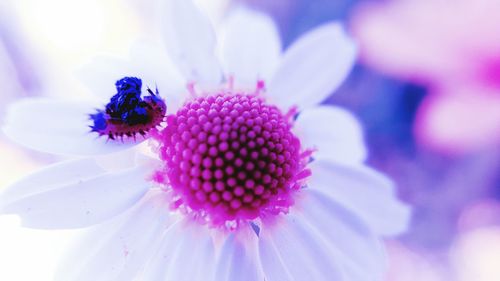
(460,118)
(231,192)
(453,48)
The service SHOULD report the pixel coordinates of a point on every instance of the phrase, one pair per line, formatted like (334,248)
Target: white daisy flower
(234,192)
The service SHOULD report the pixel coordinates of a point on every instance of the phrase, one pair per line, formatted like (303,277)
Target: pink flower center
(231,157)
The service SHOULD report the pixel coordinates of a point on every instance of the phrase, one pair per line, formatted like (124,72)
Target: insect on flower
(127,113)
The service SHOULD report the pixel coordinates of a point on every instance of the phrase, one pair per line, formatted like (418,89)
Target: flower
(451,48)
(233,193)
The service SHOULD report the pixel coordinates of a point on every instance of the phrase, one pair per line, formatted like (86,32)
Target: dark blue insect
(127,113)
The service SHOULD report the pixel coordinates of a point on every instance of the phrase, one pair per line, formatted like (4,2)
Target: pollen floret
(231,158)
(127,113)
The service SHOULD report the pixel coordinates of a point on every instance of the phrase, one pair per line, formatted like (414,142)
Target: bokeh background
(426,89)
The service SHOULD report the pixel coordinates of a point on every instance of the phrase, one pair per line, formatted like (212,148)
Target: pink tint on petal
(459,119)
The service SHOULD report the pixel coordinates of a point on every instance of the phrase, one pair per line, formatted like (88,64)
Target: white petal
(186,253)
(313,67)
(101,73)
(289,252)
(334,132)
(363,191)
(196,252)
(148,62)
(51,177)
(58,127)
(250,46)
(238,259)
(81,202)
(190,41)
(154,67)
(362,253)
(118,249)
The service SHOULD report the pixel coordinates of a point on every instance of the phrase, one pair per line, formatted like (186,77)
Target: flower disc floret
(231,157)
